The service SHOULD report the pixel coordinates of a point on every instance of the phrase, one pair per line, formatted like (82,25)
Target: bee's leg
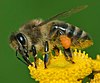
(20,59)
(56,50)
(34,54)
(67,53)
(46,49)
(26,58)
(24,55)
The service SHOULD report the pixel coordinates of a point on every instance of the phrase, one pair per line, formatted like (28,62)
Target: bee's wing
(65,14)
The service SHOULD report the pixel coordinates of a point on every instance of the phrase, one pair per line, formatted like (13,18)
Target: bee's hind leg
(67,53)
(46,49)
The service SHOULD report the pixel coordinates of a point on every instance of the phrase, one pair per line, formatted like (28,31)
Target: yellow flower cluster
(60,70)
(96,69)
(96,78)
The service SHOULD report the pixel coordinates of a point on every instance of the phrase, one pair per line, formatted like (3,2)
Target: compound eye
(21,38)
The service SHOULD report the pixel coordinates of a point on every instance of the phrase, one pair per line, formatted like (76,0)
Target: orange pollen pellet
(65,41)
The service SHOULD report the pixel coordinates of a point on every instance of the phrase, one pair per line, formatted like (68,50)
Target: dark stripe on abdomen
(70,30)
(86,37)
(77,33)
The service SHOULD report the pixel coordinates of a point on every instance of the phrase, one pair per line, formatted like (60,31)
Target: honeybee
(51,34)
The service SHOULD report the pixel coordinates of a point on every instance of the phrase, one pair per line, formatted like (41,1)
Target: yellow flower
(96,78)
(60,70)
(96,64)
(96,69)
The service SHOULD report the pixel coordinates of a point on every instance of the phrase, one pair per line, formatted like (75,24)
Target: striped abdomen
(79,38)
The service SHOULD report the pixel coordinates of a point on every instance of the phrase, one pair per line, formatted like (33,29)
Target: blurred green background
(14,13)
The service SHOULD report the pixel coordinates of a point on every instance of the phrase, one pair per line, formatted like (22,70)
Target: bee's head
(18,41)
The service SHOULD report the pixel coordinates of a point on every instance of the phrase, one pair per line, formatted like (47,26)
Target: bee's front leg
(46,49)
(34,54)
(25,56)
(20,58)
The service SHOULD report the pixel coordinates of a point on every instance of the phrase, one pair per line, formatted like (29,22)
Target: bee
(52,34)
